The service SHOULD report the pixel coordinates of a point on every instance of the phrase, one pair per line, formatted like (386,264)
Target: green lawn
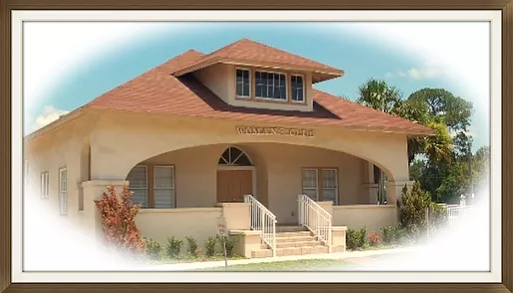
(292,265)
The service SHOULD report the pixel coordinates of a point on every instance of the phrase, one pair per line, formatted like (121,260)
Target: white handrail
(262,220)
(312,216)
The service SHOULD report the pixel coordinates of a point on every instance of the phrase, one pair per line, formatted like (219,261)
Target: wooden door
(232,185)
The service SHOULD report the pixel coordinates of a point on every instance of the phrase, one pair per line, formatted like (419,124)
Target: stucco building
(239,132)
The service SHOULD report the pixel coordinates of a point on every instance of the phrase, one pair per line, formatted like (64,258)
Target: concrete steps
(292,240)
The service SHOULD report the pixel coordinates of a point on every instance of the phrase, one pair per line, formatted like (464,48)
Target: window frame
(316,182)
(320,182)
(45,185)
(154,187)
(63,193)
(248,97)
(292,89)
(147,186)
(286,100)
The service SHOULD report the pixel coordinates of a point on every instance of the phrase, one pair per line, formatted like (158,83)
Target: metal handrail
(316,219)
(262,220)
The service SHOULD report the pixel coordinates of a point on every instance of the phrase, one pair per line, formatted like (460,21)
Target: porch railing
(315,218)
(262,220)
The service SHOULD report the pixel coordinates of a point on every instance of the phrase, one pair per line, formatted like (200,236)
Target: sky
(68,64)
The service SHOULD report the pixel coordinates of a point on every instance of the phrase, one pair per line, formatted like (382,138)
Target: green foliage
(229,242)
(173,247)
(192,245)
(394,235)
(356,238)
(210,246)
(438,217)
(413,210)
(153,248)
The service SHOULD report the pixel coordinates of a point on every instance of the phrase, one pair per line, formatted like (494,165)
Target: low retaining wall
(159,224)
(373,217)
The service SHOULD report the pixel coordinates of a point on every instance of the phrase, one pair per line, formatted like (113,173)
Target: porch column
(394,190)
(93,190)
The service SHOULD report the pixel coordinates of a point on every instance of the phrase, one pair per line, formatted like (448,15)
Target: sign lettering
(257,130)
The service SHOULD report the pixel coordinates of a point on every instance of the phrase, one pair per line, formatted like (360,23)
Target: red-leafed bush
(118,217)
(374,238)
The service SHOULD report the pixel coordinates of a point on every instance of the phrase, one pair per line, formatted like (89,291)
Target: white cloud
(48,115)
(416,73)
(459,51)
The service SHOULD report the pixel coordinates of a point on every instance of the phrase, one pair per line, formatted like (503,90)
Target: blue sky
(340,45)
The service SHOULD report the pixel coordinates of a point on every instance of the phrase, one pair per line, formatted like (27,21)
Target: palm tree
(377,94)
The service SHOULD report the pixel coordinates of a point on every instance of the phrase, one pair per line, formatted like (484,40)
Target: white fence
(315,218)
(262,220)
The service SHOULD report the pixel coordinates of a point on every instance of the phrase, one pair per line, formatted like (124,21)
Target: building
(239,132)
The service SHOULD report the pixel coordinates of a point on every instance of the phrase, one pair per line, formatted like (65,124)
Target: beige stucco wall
(221,79)
(159,224)
(119,141)
(61,148)
(373,217)
(278,174)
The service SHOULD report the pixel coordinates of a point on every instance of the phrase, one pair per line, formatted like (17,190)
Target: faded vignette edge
(507,156)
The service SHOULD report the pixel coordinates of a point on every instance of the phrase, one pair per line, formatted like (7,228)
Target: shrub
(413,210)
(192,245)
(388,234)
(356,238)
(230,243)
(173,247)
(210,246)
(153,248)
(374,238)
(118,219)
(438,217)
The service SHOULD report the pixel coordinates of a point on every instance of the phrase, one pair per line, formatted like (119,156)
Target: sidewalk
(213,264)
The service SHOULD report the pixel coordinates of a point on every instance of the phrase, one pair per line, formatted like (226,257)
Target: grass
(291,265)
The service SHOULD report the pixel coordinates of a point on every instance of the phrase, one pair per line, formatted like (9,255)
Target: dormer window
(243,83)
(298,89)
(271,86)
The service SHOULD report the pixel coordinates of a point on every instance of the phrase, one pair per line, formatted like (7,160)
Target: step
(289,251)
(290,229)
(293,234)
(309,243)
(294,238)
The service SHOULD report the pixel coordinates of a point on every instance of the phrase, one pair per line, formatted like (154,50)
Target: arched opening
(236,175)
(234,156)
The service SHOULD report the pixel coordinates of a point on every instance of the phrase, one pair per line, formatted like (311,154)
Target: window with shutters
(45,185)
(164,186)
(320,184)
(138,183)
(63,191)
(153,186)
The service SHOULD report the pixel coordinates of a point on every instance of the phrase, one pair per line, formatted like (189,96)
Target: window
(63,191)
(45,185)
(243,83)
(164,186)
(155,189)
(138,182)
(298,88)
(320,184)
(270,86)
(234,157)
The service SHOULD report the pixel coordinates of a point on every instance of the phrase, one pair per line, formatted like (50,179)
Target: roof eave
(333,73)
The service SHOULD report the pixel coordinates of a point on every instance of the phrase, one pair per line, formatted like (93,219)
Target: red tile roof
(158,91)
(250,52)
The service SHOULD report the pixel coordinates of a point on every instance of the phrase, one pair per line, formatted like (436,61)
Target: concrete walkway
(213,264)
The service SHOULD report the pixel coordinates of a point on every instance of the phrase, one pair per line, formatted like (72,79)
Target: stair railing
(262,220)
(316,219)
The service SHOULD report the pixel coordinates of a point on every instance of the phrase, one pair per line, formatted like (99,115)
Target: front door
(232,185)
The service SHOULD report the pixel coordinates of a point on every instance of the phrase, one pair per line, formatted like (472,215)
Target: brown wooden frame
(506,6)
(150,182)
(319,170)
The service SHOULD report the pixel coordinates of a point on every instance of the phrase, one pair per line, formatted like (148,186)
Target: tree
(377,94)
(118,217)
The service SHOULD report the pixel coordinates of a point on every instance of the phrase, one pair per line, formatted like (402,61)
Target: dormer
(254,75)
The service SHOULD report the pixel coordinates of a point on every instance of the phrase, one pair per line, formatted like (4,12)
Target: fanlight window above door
(233,156)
